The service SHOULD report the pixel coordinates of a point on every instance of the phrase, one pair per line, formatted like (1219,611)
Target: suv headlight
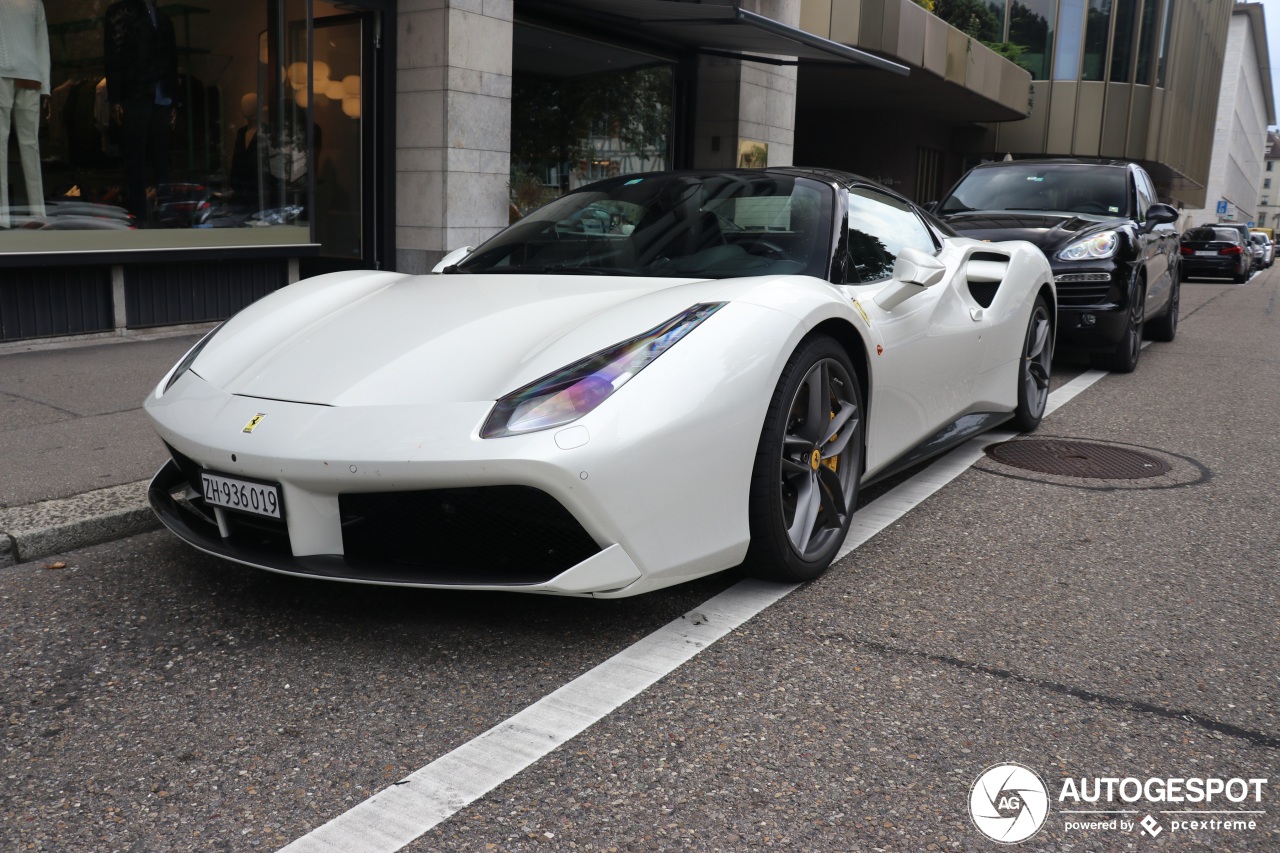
(1093,248)
(569,393)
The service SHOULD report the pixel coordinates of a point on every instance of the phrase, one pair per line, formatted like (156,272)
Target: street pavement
(75,447)
(156,699)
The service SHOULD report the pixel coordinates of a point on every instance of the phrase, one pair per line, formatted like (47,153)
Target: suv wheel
(1124,359)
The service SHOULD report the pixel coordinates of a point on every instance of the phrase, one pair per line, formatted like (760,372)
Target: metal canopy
(716,29)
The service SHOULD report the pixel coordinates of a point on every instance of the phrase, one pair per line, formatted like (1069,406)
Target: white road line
(400,813)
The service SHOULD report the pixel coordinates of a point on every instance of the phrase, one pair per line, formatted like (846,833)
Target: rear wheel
(804,486)
(1033,369)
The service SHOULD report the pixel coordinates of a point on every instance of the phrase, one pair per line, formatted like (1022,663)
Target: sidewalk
(76,451)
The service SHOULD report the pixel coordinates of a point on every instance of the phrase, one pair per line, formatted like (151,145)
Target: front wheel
(1165,327)
(804,486)
(1033,369)
(1124,359)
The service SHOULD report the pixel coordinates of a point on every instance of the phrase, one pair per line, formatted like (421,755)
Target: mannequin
(245,164)
(24,85)
(141,58)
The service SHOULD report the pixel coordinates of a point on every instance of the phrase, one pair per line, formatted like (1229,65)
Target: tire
(804,484)
(1124,359)
(1242,277)
(1033,368)
(1164,327)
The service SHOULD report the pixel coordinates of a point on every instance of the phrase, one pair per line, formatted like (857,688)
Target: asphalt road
(155,699)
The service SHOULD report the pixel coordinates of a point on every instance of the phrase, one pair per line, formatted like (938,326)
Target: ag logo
(254,421)
(1008,803)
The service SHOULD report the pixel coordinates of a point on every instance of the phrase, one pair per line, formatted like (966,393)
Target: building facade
(1269,189)
(1246,107)
(1123,79)
(194,160)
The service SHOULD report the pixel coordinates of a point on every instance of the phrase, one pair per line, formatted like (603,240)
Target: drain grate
(1078,459)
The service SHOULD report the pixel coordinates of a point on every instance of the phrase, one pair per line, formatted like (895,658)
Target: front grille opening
(486,534)
(247,531)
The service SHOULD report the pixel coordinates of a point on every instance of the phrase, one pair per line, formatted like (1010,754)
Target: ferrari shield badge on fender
(254,421)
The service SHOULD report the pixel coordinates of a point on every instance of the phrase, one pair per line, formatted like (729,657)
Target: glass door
(343,138)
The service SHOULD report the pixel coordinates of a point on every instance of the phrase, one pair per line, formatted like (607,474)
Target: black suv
(1112,246)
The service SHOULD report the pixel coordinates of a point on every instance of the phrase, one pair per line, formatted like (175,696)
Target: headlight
(1093,248)
(572,391)
(189,358)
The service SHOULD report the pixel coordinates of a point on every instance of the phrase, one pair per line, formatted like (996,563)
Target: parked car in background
(1216,250)
(1113,247)
(1264,251)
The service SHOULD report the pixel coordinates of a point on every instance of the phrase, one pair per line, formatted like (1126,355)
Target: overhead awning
(723,30)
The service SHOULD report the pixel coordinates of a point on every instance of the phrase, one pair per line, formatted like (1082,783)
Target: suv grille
(1081,290)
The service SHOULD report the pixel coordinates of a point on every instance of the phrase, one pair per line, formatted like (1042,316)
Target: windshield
(1088,190)
(680,225)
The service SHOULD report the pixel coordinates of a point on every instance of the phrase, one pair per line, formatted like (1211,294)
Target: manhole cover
(1078,459)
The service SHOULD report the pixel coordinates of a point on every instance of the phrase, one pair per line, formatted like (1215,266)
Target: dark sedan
(1216,250)
(1112,246)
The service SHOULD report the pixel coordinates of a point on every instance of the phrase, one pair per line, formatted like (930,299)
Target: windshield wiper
(580,270)
(453,268)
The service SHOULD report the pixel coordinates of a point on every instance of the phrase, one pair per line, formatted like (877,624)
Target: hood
(390,339)
(1049,232)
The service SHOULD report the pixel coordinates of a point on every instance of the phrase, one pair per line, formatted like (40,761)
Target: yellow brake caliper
(834,461)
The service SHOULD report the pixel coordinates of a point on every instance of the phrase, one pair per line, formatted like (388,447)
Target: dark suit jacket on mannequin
(137,54)
(141,61)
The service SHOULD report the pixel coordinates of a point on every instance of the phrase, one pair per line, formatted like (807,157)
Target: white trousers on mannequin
(20,108)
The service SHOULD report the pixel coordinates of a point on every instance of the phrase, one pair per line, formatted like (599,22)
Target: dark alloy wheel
(1033,370)
(1165,327)
(804,485)
(1125,357)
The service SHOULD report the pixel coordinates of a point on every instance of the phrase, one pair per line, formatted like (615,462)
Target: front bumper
(613,504)
(564,561)
(1092,308)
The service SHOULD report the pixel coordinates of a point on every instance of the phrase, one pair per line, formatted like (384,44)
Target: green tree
(974,18)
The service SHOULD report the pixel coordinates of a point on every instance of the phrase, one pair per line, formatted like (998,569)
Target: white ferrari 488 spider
(653,378)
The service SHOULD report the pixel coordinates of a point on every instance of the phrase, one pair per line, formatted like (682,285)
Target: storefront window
(169,125)
(606,112)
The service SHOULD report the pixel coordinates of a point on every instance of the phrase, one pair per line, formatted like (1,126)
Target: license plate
(242,495)
(1206,254)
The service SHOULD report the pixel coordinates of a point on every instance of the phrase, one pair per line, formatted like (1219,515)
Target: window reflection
(1031,27)
(880,226)
(581,112)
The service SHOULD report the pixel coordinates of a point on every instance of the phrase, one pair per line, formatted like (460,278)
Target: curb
(52,527)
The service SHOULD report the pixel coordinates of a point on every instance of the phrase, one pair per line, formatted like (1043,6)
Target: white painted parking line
(400,813)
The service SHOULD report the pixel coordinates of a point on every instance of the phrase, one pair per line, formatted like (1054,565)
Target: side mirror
(913,272)
(1160,214)
(457,256)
